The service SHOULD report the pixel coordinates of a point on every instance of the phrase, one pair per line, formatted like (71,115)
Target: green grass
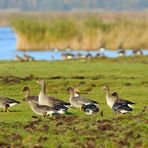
(127,76)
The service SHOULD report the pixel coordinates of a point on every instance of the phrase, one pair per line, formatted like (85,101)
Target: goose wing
(84,100)
(46,108)
(121,106)
(57,101)
(90,108)
(94,102)
(128,102)
(9,100)
(33,98)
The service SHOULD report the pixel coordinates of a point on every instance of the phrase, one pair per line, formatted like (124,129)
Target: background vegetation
(82,31)
(68,5)
(127,76)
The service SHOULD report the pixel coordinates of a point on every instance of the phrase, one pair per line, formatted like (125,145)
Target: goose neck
(43,89)
(27,94)
(108,93)
(71,95)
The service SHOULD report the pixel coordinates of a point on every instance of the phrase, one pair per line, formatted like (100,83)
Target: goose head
(115,94)
(105,88)
(70,90)
(25,89)
(41,82)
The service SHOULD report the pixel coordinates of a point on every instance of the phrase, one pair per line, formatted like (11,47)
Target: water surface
(8,49)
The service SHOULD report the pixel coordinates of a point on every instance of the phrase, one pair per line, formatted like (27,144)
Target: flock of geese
(120,53)
(24,58)
(68,55)
(48,106)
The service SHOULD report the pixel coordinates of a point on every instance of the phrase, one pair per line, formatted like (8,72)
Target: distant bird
(89,56)
(121,53)
(99,55)
(121,105)
(18,58)
(5,103)
(26,57)
(80,56)
(34,99)
(85,104)
(50,101)
(137,52)
(66,56)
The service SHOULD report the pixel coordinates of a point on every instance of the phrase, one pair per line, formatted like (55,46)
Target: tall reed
(90,32)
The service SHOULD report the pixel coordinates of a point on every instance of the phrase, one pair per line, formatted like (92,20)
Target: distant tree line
(68,5)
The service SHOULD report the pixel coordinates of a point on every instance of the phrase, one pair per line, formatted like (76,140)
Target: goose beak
(37,82)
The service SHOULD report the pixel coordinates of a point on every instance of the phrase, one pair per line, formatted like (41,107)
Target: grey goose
(6,102)
(86,105)
(49,100)
(121,105)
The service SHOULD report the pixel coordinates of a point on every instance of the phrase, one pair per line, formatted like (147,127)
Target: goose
(110,99)
(5,103)
(137,52)
(50,101)
(121,105)
(42,110)
(66,56)
(27,57)
(86,105)
(18,58)
(121,53)
(59,108)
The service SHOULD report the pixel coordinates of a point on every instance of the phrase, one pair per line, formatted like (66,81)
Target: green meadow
(128,76)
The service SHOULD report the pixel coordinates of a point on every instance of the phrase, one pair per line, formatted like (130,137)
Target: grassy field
(87,31)
(128,76)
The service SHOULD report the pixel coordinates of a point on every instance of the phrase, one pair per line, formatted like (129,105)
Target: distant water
(8,49)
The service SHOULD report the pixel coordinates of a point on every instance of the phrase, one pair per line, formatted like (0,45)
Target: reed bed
(81,31)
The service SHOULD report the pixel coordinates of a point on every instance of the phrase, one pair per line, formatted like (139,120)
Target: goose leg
(101,113)
(50,115)
(4,109)
(7,109)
